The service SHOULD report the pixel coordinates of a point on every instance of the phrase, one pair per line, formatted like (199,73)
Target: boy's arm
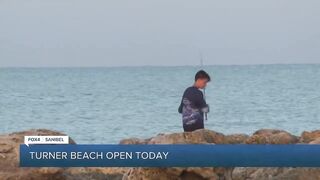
(201,101)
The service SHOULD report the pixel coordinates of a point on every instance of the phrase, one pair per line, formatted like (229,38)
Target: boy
(193,105)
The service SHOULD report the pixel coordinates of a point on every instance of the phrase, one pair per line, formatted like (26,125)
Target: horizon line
(137,66)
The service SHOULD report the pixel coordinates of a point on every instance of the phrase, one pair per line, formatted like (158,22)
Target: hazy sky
(162,32)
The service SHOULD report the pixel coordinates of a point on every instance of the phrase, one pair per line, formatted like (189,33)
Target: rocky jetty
(9,154)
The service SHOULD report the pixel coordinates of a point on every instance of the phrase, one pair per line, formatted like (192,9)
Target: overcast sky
(162,32)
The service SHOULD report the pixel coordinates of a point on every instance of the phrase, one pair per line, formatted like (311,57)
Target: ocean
(105,105)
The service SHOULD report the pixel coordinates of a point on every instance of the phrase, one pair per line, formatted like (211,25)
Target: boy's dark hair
(202,75)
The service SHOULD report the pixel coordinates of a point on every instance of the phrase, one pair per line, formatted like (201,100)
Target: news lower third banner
(63,155)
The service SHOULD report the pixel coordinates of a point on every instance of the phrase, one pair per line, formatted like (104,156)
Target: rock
(94,173)
(316,141)
(152,173)
(211,173)
(276,174)
(236,138)
(9,167)
(201,136)
(271,136)
(307,136)
(255,173)
(134,141)
(9,154)
(176,173)
(298,174)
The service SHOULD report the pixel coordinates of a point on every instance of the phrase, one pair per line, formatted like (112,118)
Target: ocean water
(105,105)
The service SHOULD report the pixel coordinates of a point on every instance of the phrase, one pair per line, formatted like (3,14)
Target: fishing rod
(205,114)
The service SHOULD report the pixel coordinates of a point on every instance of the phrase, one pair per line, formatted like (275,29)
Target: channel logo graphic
(46,140)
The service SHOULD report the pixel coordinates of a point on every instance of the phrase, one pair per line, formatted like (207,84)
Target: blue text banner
(188,155)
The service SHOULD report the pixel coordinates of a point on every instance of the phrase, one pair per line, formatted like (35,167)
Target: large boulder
(316,141)
(236,138)
(276,174)
(94,173)
(192,173)
(9,157)
(201,136)
(307,137)
(10,170)
(272,136)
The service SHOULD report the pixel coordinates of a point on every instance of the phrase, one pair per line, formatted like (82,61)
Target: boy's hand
(205,109)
